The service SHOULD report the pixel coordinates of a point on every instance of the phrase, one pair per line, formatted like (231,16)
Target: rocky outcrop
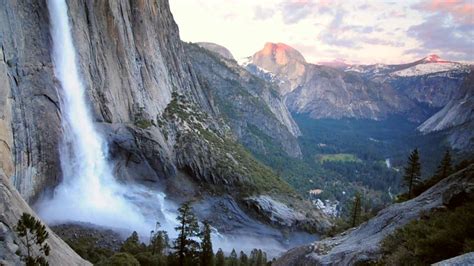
(280,214)
(12,206)
(252,108)
(218,49)
(285,62)
(465,259)
(362,244)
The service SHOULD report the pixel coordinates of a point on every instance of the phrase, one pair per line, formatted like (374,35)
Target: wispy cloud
(461,11)
(263,13)
(437,33)
(448,28)
(294,11)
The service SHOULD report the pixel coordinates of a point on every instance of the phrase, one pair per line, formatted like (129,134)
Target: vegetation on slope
(436,236)
(226,161)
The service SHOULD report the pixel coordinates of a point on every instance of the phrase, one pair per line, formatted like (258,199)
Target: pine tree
(220,258)
(34,233)
(445,167)
(186,247)
(244,259)
(159,243)
(261,258)
(233,260)
(356,210)
(412,172)
(132,244)
(207,254)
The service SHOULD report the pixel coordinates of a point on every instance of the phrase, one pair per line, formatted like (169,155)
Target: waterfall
(88,192)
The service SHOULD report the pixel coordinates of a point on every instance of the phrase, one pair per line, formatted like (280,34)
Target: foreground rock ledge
(362,243)
(12,206)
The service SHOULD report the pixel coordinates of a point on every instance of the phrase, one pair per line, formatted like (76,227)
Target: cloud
(461,11)
(439,33)
(294,11)
(380,41)
(335,35)
(262,13)
(362,29)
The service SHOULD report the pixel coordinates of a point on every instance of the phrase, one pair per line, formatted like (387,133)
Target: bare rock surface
(12,206)
(465,259)
(218,49)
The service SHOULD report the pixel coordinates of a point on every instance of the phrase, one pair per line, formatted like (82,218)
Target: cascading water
(89,191)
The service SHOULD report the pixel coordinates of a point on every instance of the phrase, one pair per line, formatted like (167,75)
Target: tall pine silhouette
(186,247)
(207,254)
(445,167)
(356,210)
(412,172)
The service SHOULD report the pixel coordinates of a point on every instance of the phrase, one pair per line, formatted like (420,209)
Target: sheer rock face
(253,108)
(29,106)
(362,243)
(12,206)
(457,117)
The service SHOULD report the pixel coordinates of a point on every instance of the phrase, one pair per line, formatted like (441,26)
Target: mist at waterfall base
(89,192)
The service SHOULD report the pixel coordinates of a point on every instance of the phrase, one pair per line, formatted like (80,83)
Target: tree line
(193,246)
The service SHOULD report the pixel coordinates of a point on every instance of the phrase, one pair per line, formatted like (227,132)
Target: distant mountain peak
(281,53)
(433,58)
(216,48)
(336,63)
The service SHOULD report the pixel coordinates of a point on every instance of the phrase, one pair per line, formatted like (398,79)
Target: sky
(357,31)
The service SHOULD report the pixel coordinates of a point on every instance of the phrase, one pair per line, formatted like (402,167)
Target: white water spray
(89,191)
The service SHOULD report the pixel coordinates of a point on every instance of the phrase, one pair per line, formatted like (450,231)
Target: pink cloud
(461,10)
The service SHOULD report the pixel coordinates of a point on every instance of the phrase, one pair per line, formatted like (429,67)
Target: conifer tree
(412,172)
(132,244)
(159,243)
(244,259)
(233,260)
(186,247)
(207,254)
(356,210)
(34,233)
(220,258)
(445,167)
